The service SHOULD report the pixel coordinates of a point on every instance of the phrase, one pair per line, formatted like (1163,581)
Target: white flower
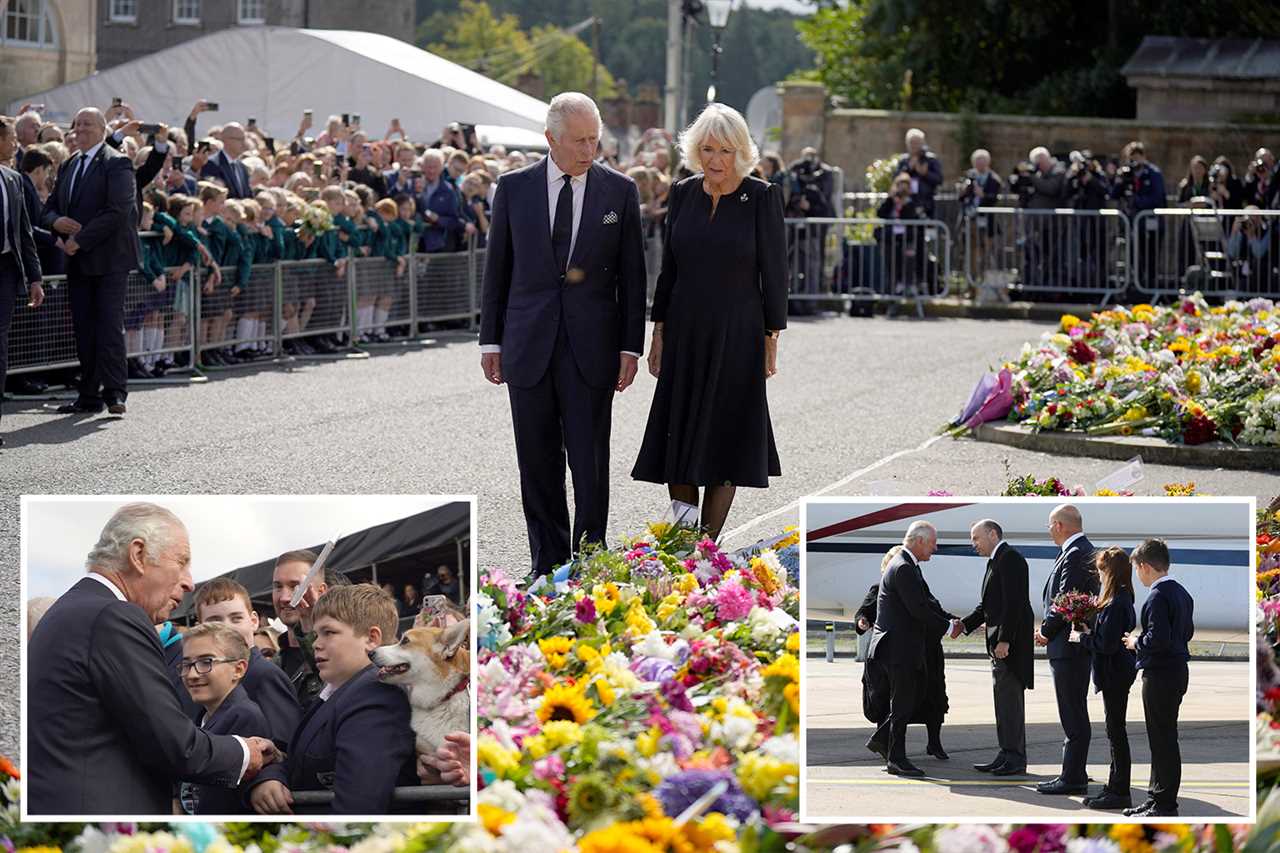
(504,794)
(763,629)
(652,645)
(785,748)
(536,828)
(1092,845)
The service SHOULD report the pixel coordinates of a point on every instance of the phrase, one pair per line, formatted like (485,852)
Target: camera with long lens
(1020,183)
(1126,179)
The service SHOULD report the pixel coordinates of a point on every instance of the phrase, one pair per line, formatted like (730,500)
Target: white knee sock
(245,329)
(380,319)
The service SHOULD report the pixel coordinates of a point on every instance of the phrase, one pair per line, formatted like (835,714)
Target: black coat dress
(875,679)
(723,283)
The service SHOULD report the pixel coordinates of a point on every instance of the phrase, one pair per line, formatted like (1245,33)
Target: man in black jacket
(1070,664)
(106,734)
(1005,608)
(94,208)
(904,617)
(19,264)
(1167,628)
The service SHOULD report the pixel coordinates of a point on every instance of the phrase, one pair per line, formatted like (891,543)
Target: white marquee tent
(274,73)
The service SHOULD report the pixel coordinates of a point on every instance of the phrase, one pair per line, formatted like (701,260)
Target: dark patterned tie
(562,228)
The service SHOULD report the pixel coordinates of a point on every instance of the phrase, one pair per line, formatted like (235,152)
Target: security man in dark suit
(106,734)
(905,616)
(20,275)
(562,323)
(94,208)
(1162,647)
(1005,609)
(1070,664)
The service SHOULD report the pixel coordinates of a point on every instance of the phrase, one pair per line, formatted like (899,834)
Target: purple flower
(678,792)
(585,611)
(673,692)
(733,601)
(653,669)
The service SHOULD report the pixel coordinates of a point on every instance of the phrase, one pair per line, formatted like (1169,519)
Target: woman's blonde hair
(888,557)
(728,126)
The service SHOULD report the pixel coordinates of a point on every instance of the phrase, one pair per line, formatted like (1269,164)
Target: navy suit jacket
(526,299)
(271,690)
(1005,608)
(1167,627)
(444,235)
(906,614)
(1113,664)
(22,241)
(105,734)
(235,178)
(1072,572)
(357,743)
(237,715)
(104,202)
(52,261)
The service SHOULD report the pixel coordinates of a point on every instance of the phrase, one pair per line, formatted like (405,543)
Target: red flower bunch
(1081,353)
(1199,429)
(1075,607)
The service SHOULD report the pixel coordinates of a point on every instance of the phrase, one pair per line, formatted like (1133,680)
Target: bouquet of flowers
(316,220)
(1189,373)
(1076,607)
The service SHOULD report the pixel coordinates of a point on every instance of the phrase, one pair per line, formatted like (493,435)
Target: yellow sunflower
(555,650)
(562,702)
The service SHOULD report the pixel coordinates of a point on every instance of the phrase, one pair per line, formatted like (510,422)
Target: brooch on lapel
(610,218)
(742,197)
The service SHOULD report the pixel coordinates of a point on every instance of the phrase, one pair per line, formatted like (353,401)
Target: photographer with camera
(1086,189)
(980,188)
(1040,184)
(1197,183)
(812,184)
(1254,247)
(1139,186)
(923,168)
(1224,187)
(1260,184)
(902,247)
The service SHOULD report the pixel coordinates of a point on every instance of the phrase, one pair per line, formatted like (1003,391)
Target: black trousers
(1115,701)
(561,415)
(1071,686)
(1162,692)
(97,317)
(906,683)
(10,291)
(1011,715)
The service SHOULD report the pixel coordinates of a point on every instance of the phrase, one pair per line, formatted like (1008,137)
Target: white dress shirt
(105,581)
(1066,546)
(4,217)
(578,185)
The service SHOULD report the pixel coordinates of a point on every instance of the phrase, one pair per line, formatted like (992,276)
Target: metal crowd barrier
(433,289)
(854,259)
(1063,251)
(1232,254)
(405,795)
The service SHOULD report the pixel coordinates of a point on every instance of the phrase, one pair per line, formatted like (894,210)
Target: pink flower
(733,602)
(585,611)
(549,768)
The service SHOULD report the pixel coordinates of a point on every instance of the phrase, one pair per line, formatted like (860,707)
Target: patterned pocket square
(610,218)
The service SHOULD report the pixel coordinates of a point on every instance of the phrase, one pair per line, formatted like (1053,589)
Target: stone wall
(853,138)
(26,71)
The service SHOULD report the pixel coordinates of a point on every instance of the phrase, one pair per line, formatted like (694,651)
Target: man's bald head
(90,127)
(1064,522)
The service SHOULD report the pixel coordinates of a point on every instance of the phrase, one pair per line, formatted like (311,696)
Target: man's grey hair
(914,133)
(979,153)
(988,525)
(29,117)
(153,524)
(1036,152)
(920,531)
(570,103)
(434,155)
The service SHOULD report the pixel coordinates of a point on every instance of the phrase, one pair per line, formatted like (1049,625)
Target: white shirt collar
(555,173)
(327,691)
(93,152)
(1160,580)
(107,582)
(996,550)
(1066,546)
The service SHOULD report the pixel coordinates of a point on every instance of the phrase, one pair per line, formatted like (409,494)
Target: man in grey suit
(20,272)
(562,322)
(106,734)
(905,616)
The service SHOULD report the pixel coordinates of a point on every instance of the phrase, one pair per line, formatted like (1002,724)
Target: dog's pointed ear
(455,637)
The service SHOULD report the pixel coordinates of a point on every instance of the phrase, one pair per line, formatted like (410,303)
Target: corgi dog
(434,667)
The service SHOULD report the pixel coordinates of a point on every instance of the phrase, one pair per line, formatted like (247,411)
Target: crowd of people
(228,716)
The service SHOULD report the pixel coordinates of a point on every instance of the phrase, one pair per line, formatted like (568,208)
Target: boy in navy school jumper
(214,660)
(355,739)
(1167,627)
(224,601)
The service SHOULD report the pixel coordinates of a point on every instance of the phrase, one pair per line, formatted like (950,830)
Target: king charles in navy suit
(562,322)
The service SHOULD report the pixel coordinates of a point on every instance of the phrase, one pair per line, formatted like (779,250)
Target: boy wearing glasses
(222,600)
(214,661)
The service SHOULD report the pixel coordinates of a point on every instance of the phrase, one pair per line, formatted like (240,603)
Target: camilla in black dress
(722,288)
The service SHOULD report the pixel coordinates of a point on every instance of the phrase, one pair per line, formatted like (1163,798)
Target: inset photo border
(97,728)
(849,659)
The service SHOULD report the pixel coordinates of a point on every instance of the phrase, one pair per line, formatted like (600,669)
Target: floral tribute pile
(1189,373)
(1267,530)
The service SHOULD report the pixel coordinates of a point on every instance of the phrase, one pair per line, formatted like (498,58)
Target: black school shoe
(1108,800)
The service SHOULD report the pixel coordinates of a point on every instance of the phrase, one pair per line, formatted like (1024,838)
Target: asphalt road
(855,406)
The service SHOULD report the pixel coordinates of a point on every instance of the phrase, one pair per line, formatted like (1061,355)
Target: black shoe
(878,748)
(1140,811)
(936,750)
(903,768)
(212,358)
(1108,800)
(990,765)
(1057,786)
(160,368)
(1010,770)
(23,385)
(115,408)
(78,408)
(321,345)
(1161,811)
(138,370)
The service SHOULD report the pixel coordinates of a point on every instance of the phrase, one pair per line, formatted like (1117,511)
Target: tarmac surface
(845,782)
(856,408)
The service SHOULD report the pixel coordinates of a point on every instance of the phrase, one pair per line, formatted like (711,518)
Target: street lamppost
(718,18)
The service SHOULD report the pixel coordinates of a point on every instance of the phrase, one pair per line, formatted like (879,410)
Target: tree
(483,42)
(565,63)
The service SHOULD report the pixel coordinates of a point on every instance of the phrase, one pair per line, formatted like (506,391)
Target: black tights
(715,504)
